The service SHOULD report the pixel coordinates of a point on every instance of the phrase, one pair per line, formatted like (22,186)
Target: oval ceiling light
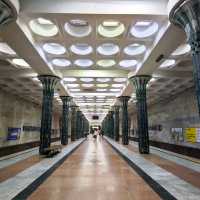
(61,62)
(87,80)
(143,29)
(182,50)
(54,48)
(72,85)
(115,90)
(110,28)
(69,79)
(117,85)
(81,49)
(87,85)
(75,90)
(128,63)
(134,49)
(168,63)
(120,80)
(4,48)
(20,62)
(102,85)
(43,27)
(108,49)
(106,63)
(78,28)
(83,63)
(103,80)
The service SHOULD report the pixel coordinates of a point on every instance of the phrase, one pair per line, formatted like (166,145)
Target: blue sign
(13,133)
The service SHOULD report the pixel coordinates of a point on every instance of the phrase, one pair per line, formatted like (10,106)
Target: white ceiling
(83,34)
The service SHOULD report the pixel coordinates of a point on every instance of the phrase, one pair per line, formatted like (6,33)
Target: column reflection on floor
(94,171)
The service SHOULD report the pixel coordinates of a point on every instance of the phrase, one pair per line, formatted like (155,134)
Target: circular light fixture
(69,79)
(103,80)
(182,50)
(111,28)
(102,85)
(83,63)
(108,49)
(78,28)
(61,62)
(120,80)
(117,85)
(4,48)
(106,63)
(134,49)
(87,85)
(54,48)
(81,49)
(87,80)
(128,63)
(75,90)
(168,63)
(20,62)
(143,29)
(101,90)
(72,85)
(43,27)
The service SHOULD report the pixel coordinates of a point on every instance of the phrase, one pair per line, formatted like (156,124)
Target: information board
(191,135)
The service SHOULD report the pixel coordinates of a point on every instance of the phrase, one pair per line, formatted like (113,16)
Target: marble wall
(16,112)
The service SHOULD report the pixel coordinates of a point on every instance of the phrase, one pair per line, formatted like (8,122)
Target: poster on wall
(191,135)
(198,135)
(13,133)
(177,134)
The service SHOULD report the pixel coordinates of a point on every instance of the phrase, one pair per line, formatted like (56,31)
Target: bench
(52,150)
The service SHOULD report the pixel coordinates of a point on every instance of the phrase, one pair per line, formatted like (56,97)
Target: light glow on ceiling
(134,49)
(106,63)
(75,89)
(108,49)
(54,48)
(87,80)
(61,62)
(72,85)
(81,49)
(87,85)
(103,80)
(78,28)
(182,50)
(83,63)
(101,89)
(128,63)
(69,79)
(6,49)
(115,90)
(117,85)
(102,85)
(143,30)
(120,80)
(111,29)
(43,27)
(20,62)
(168,63)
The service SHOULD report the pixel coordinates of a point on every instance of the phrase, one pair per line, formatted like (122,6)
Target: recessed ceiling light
(4,48)
(78,28)
(87,85)
(61,62)
(168,63)
(54,48)
(102,85)
(69,79)
(101,89)
(134,49)
(128,63)
(108,49)
(117,85)
(143,30)
(75,90)
(81,49)
(43,27)
(83,62)
(87,80)
(111,29)
(103,80)
(20,62)
(72,85)
(106,63)
(182,50)
(115,90)
(120,80)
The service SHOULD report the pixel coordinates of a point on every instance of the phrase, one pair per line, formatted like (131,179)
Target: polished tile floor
(94,171)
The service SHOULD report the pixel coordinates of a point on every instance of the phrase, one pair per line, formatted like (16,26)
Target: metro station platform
(97,171)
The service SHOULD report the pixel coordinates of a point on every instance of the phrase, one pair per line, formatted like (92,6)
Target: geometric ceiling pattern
(94,50)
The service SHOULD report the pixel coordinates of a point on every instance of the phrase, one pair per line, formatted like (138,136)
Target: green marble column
(65,119)
(140,83)
(49,83)
(186,15)
(73,122)
(116,122)
(124,105)
(78,124)
(111,124)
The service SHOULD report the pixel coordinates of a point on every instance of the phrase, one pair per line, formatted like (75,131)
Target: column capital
(9,10)
(124,98)
(66,99)
(116,108)
(140,80)
(186,15)
(49,81)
